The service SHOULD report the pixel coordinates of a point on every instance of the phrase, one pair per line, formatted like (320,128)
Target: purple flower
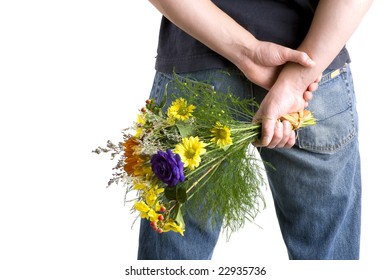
(168,167)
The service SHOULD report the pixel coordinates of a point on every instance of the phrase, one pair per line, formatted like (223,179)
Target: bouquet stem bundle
(191,151)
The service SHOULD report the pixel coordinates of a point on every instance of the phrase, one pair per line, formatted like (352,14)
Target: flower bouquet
(193,152)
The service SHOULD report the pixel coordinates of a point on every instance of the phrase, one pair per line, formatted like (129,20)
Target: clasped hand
(282,71)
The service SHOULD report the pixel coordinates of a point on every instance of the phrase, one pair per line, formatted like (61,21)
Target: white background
(72,75)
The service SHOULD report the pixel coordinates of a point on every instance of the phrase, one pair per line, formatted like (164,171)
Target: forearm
(333,24)
(210,25)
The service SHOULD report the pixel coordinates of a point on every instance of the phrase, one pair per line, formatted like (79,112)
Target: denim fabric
(316,185)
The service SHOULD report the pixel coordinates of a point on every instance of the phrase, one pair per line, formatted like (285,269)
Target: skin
(290,75)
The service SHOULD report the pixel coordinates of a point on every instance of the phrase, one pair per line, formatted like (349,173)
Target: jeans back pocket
(334,108)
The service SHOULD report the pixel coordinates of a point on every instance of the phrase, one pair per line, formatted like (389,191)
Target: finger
(307,96)
(300,57)
(287,129)
(312,87)
(277,136)
(267,131)
(291,140)
(257,143)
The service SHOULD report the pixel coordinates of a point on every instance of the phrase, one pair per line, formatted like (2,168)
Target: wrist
(298,77)
(242,52)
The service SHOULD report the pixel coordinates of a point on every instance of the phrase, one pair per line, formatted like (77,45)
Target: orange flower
(133,160)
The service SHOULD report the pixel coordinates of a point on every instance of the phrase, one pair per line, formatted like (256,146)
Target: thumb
(301,58)
(267,131)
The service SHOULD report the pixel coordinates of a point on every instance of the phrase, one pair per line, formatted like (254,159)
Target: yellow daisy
(221,135)
(179,110)
(190,151)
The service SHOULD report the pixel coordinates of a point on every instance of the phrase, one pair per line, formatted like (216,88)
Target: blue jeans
(316,185)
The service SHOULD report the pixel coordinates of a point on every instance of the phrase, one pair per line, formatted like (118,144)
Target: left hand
(283,98)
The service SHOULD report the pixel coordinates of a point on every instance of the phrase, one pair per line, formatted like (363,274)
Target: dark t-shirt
(283,22)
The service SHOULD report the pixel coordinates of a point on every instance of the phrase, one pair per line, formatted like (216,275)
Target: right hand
(288,95)
(263,63)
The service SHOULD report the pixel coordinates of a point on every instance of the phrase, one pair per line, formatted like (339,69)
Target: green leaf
(179,217)
(170,193)
(185,130)
(181,194)
(178,193)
